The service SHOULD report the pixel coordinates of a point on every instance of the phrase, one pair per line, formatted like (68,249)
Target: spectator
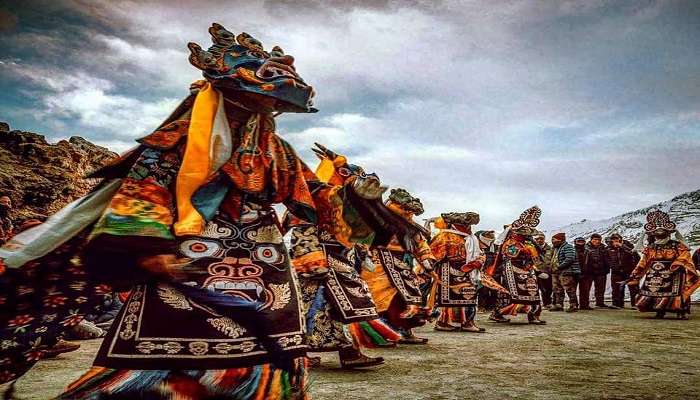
(594,272)
(544,270)
(621,260)
(696,258)
(580,246)
(566,273)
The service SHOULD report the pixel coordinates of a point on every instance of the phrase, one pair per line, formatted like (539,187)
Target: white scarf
(473,251)
(59,228)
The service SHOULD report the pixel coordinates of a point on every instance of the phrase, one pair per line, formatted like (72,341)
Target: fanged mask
(405,201)
(259,80)
(461,218)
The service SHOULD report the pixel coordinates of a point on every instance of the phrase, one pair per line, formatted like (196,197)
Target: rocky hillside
(684,210)
(41,177)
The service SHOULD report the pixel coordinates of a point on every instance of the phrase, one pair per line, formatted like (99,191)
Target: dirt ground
(600,354)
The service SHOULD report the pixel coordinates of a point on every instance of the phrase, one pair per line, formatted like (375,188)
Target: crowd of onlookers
(572,270)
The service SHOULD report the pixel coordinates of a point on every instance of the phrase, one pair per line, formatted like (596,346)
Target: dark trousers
(488,299)
(584,289)
(545,290)
(618,292)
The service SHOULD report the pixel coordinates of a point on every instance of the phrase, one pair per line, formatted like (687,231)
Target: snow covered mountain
(683,209)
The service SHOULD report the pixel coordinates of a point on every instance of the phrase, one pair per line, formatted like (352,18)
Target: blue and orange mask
(255,79)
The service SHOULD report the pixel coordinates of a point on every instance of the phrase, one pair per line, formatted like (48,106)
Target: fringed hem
(515,309)
(654,304)
(452,315)
(373,333)
(252,383)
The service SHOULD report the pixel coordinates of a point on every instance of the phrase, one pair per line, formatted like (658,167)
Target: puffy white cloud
(92,104)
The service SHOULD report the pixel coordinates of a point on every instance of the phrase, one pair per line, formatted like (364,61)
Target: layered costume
(185,221)
(400,276)
(487,296)
(517,257)
(459,260)
(329,262)
(669,275)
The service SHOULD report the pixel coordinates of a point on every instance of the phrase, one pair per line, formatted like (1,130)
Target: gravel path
(602,354)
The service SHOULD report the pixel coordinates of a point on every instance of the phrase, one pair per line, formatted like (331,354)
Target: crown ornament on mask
(529,219)
(266,80)
(658,219)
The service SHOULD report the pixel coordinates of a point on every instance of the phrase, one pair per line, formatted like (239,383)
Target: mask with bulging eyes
(258,80)
(408,203)
(366,185)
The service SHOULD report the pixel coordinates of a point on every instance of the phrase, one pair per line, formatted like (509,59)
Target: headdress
(460,218)
(524,225)
(486,237)
(530,218)
(267,81)
(407,203)
(658,219)
(238,70)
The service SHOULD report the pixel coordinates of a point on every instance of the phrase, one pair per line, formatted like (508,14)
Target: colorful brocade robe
(234,306)
(238,290)
(333,293)
(517,259)
(457,287)
(396,275)
(670,278)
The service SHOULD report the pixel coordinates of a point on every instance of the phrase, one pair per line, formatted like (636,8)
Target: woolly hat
(559,236)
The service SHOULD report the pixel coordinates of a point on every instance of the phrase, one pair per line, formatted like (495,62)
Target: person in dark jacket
(580,247)
(566,273)
(622,260)
(696,258)
(594,272)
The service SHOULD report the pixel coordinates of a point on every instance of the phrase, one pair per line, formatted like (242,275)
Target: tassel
(286,390)
(247,388)
(385,330)
(275,386)
(375,338)
(262,384)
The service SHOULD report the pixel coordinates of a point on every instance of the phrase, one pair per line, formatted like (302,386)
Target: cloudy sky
(587,108)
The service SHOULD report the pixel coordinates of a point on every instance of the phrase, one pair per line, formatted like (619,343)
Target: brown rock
(41,177)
